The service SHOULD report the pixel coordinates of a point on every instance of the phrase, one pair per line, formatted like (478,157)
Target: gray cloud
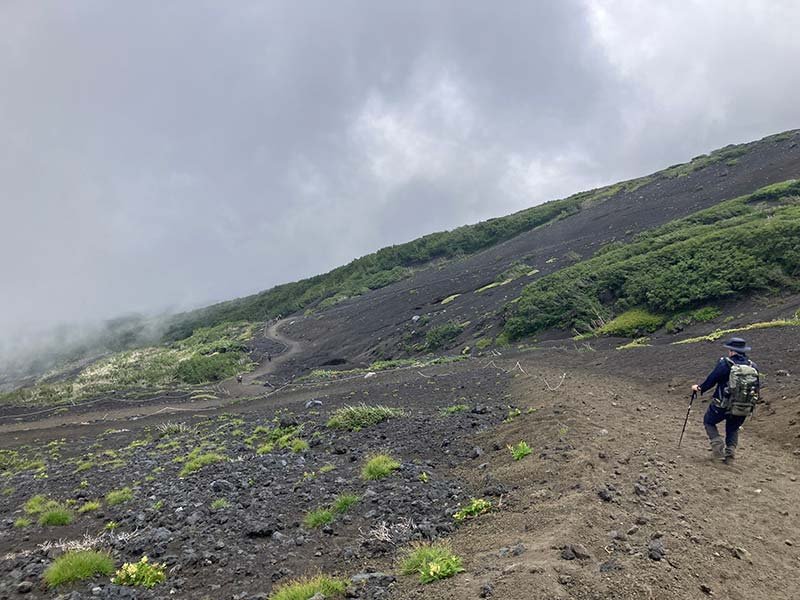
(171,154)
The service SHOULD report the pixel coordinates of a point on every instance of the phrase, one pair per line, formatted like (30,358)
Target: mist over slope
(462,279)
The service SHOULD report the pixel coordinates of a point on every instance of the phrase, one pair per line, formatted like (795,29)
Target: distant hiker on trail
(735,397)
(269,356)
(239,378)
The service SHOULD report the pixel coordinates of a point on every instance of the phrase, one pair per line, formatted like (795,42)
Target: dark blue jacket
(719,376)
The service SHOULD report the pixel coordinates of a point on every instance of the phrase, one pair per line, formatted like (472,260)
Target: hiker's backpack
(741,393)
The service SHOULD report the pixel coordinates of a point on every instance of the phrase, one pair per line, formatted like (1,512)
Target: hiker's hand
(695,388)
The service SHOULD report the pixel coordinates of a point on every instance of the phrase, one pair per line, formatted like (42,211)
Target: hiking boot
(718,448)
(730,453)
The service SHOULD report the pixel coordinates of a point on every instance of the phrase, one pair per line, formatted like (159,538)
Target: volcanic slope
(240,491)
(382,324)
(605,506)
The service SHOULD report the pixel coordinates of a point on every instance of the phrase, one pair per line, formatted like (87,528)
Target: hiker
(239,378)
(269,356)
(737,387)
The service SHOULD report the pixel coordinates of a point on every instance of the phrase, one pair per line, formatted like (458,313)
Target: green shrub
(476,506)
(431,561)
(483,343)
(115,497)
(520,450)
(216,367)
(140,574)
(199,461)
(219,504)
(705,314)
(77,566)
(738,246)
(632,323)
(55,517)
(379,466)
(355,418)
(440,336)
(22,522)
(303,589)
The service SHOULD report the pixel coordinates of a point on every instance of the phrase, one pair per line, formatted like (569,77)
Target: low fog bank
(31,354)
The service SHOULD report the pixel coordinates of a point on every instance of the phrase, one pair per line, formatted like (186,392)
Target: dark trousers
(714,415)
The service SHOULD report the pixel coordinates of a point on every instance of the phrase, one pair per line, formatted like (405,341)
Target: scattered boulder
(655,549)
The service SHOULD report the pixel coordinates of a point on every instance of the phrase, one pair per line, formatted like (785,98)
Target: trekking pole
(686,420)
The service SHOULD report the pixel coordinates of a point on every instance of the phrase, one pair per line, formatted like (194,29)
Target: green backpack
(741,394)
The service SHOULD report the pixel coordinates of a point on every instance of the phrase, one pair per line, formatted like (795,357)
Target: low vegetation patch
(344,502)
(318,518)
(520,450)
(440,336)
(680,321)
(476,506)
(379,466)
(358,417)
(77,566)
(120,496)
(198,461)
(304,589)
(140,574)
(89,506)
(219,504)
(675,267)
(432,561)
(455,408)
(640,342)
(720,333)
(50,513)
(206,355)
(632,323)
(22,522)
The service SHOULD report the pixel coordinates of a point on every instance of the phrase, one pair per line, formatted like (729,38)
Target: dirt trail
(253,382)
(733,528)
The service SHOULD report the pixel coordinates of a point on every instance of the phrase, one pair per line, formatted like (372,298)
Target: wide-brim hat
(737,345)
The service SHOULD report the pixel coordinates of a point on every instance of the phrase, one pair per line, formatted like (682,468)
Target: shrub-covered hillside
(387,265)
(742,245)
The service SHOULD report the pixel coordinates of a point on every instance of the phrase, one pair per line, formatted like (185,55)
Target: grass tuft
(318,518)
(77,566)
(115,497)
(201,460)
(431,561)
(89,506)
(379,466)
(355,418)
(344,502)
(55,517)
(303,589)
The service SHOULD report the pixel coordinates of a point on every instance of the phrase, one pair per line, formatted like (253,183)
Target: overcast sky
(157,154)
